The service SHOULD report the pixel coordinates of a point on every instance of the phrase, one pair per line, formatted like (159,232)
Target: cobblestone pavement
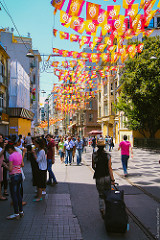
(144,171)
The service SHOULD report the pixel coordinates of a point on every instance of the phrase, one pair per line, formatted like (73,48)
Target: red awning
(95,132)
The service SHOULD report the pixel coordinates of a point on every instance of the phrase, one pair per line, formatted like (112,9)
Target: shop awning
(20,113)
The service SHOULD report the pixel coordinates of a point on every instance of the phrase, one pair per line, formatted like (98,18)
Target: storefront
(20,120)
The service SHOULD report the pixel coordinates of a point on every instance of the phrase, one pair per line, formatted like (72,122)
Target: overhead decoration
(92,11)
(75,7)
(58,4)
(77,81)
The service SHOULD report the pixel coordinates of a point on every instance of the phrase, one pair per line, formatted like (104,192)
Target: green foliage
(140,95)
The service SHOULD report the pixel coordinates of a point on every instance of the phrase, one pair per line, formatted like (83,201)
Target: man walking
(79,149)
(50,159)
(125,147)
(68,148)
(94,143)
(28,141)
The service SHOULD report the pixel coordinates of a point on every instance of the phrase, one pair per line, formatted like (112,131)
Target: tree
(140,95)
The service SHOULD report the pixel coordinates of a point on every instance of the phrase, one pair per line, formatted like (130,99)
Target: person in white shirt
(42,164)
(21,146)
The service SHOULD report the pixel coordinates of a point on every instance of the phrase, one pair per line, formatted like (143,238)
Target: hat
(101,142)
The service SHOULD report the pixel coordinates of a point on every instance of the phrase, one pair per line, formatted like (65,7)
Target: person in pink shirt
(125,147)
(15,176)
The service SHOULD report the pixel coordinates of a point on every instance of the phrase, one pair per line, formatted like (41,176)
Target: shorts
(41,178)
(61,154)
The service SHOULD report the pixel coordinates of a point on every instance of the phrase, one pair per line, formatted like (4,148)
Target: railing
(146,143)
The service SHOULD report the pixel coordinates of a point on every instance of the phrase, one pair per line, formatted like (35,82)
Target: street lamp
(47,99)
(30,55)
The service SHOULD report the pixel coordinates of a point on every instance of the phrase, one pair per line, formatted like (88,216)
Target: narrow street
(70,209)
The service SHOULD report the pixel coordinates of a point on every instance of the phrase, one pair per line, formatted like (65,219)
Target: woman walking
(61,149)
(40,158)
(101,163)
(2,150)
(15,181)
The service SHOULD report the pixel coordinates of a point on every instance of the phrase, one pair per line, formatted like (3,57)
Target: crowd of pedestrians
(40,151)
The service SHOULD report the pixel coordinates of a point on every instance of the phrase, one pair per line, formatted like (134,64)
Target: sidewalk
(50,219)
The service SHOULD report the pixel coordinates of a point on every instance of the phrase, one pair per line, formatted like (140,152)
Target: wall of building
(24,126)
(17,51)
(13,125)
(19,126)
(19,86)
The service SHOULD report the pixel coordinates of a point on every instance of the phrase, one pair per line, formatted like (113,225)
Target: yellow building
(107,97)
(4,76)
(20,121)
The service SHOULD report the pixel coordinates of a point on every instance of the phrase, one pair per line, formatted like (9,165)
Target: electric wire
(5,9)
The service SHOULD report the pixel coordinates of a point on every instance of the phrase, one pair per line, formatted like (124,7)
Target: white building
(19,87)
(17,50)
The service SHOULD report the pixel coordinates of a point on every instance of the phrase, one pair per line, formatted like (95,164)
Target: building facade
(17,48)
(4,81)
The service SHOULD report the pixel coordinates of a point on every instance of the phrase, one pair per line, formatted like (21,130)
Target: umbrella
(95,132)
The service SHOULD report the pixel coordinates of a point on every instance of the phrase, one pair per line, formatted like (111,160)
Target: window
(34,79)
(1,100)
(90,104)
(99,111)
(151,24)
(91,117)
(158,21)
(2,71)
(111,88)
(105,110)
(105,89)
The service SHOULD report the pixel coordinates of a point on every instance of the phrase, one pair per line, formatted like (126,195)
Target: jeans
(49,168)
(124,159)
(94,148)
(68,155)
(15,186)
(5,180)
(79,155)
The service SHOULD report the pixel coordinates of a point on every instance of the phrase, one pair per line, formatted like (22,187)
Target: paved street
(70,209)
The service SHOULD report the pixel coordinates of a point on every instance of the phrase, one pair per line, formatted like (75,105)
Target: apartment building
(4,81)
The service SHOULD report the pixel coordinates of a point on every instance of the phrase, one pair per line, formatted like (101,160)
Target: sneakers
(48,183)
(37,199)
(13,216)
(21,214)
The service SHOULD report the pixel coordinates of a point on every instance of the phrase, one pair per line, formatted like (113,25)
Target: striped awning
(20,113)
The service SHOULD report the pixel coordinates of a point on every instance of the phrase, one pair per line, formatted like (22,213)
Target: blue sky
(36,17)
